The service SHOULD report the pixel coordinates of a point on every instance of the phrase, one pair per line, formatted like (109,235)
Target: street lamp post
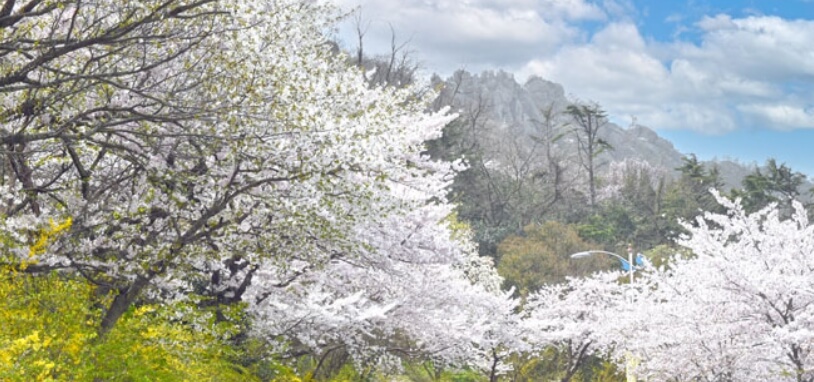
(632,361)
(629,260)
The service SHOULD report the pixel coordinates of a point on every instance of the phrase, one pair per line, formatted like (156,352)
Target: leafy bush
(48,332)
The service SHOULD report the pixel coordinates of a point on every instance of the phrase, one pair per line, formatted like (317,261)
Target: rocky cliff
(511,108)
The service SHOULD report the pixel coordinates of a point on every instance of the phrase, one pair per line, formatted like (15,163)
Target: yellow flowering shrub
(48,333)
(47,234)
(49,322)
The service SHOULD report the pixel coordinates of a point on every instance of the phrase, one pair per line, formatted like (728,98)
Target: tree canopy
(221,149)
(207,189)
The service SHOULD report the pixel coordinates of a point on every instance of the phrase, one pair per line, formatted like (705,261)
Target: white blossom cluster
(739,308)
(220,147)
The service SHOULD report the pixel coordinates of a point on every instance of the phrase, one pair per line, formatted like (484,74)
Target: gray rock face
(518,110)
(640,142)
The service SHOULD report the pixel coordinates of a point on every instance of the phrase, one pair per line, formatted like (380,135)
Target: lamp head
(581,254)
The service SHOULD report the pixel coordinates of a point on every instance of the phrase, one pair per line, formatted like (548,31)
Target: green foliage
(48,332)
(542,255)
(429,372)
(690,195)
(459,229)
(348,373)
(774,184)
(589,119)
(508,184)
(454,143)
(464,376)
(334,365)
(551,365)
(633,213)
(660,255)
(257,356)
(610,226)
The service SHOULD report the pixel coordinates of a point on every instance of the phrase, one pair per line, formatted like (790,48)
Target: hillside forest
(212,190)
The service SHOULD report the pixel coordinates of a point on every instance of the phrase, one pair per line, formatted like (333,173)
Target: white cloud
(674,18)
(614,69)
(620,9)
(719,22)
(570,9)
(783,116)
(764,48)
(736,72)
(745,72)
(477,33)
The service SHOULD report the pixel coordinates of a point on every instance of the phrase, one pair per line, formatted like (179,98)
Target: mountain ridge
(516,109)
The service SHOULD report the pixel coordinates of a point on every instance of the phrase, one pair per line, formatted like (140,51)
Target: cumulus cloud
(784,116)
(614,69)
(765,48)
(477,33)
(755,71)
(749,72)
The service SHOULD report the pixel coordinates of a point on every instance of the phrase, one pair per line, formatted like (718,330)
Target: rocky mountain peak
(542,89)
(518,110)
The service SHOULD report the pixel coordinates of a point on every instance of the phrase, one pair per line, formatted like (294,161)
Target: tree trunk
(591,180)
(493,372)
(575,361)
(121,303)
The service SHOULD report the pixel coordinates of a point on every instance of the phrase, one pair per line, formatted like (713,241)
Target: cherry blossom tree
(578,316)
(415,292)
(221,148)
(90,98)
(740,308)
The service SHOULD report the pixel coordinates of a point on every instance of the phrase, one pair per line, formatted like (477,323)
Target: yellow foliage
(551,365)
(47,234)
(39,339)
(48,333)
(44,237)
(460,230)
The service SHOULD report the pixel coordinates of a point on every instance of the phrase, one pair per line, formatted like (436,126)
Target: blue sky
(721,79)
(661,19)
